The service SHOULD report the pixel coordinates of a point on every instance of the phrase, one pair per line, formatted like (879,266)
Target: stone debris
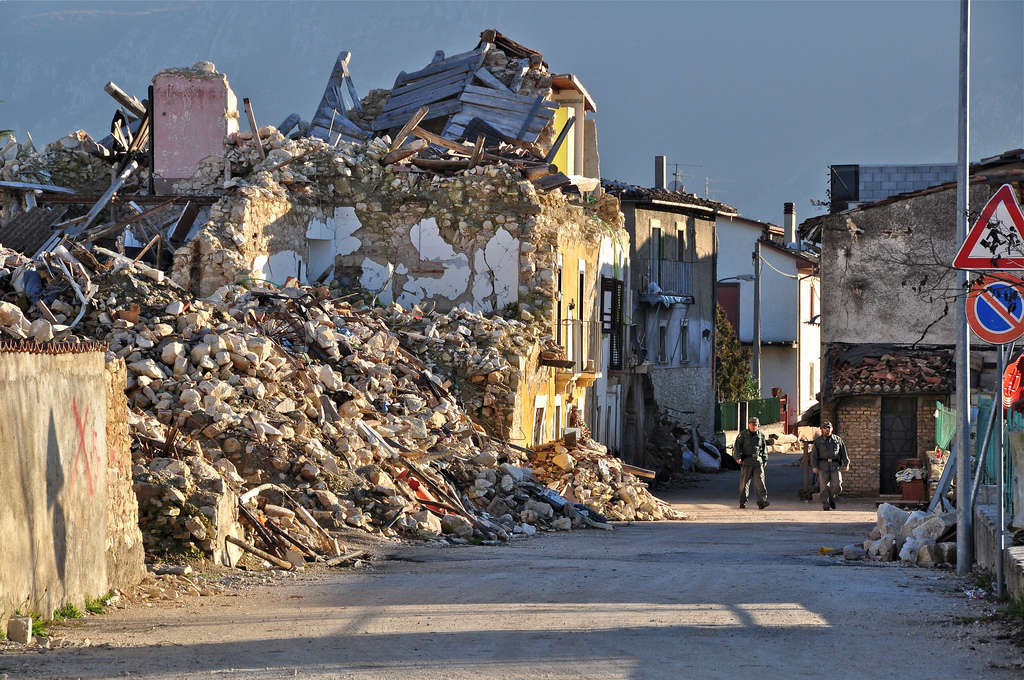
(925,539)
(585,473)
(283,417)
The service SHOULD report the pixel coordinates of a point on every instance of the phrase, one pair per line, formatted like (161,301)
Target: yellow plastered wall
(565,155)
(543,386)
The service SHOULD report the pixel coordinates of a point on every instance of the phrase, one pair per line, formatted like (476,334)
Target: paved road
(727,594)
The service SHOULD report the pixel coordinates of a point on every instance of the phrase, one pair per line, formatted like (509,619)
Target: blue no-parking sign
(995,309)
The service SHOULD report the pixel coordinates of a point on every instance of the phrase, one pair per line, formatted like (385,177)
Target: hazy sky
(761,97)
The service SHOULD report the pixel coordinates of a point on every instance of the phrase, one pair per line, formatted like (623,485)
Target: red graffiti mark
(83,450)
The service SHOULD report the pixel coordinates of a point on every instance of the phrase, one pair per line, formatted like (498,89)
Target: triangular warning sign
(996,241)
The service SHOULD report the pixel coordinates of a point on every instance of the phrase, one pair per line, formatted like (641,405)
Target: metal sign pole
(1001,515)
(963,339)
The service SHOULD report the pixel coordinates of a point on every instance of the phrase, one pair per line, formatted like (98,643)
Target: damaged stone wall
(124,539)
(484,240)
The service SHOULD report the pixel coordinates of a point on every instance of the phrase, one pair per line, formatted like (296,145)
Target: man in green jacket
(752,453)
(828,457)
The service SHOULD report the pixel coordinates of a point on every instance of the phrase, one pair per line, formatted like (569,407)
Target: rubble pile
(313,406)
(925,539)
(583,472)
(891,373)
(74,161)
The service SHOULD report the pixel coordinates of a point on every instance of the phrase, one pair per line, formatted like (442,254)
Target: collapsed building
(362,324)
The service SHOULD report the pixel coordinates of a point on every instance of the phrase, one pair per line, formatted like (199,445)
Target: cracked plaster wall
(875,260)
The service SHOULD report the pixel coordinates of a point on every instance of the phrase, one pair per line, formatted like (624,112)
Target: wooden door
(898,439)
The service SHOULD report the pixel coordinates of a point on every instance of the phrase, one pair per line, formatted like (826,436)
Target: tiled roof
(894,371)
(632,192)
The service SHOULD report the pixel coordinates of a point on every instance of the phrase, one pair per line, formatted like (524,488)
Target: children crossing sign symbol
(996,241)
(995,309)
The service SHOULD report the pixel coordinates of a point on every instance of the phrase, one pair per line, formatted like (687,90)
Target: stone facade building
(888,295)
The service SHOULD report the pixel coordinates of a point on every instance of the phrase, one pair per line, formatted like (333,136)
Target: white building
(790,307)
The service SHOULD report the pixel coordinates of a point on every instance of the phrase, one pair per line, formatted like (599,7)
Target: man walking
(752,453)
(829,460)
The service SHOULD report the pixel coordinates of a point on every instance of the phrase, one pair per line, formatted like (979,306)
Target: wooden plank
(252,126)
(453,76)
(274,559)
(105,198)
(471,57)
(522,100)
(488,79)
(404,152)
(413,121)
(438,140)
(134,106)
(478,151)
(508,124)
(426,96)
(29,186)
(512,120)
(560,139)
(440,164)
(529,117)
(179,232)
(351,89)
(398,117)
(515,109)
(331,106)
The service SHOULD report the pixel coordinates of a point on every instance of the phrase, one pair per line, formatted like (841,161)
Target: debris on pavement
(924,539)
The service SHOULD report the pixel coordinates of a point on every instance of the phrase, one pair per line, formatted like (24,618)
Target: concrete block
(19,629)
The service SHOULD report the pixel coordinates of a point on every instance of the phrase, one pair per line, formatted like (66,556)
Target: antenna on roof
(677,177)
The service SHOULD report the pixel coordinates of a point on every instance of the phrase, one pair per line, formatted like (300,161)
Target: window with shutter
(612,292)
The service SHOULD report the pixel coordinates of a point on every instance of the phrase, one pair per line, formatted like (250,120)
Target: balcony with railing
(672,277)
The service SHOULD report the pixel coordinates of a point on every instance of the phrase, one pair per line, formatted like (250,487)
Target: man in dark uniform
(829,460)
(752,453)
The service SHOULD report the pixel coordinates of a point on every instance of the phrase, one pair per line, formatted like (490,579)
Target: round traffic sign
(995,308)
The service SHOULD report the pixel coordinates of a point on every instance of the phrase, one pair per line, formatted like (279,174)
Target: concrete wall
(779,311)
(809,344)
(194,110)
(985,529)
(56,472)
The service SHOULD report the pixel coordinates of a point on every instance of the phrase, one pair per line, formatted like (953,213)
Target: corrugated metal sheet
(28,231)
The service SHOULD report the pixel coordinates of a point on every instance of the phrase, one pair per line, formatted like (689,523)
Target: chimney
(789,222)
(660,172)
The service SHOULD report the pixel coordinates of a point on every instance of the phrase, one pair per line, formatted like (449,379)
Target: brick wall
(858,421)
(926,423)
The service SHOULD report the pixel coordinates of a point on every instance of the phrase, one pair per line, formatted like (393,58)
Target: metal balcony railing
(672,277)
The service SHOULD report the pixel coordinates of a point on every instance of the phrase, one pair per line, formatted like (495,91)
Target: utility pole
(757,316)
(963,339)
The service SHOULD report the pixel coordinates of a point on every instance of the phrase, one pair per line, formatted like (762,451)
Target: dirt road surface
(728,594)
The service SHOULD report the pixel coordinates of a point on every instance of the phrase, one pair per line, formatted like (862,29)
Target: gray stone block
(19,629)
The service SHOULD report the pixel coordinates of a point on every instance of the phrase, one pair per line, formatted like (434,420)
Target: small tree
(733,362)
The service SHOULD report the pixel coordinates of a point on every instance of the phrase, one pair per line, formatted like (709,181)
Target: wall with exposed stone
(484,239)
(125,554)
